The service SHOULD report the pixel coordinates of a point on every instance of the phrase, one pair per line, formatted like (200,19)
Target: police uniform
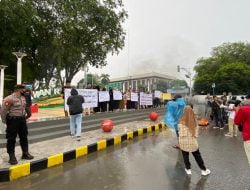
(14,115)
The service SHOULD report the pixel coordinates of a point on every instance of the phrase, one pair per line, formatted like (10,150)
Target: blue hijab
(174,112)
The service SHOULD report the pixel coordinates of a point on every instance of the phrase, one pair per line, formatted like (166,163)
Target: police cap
(18,87)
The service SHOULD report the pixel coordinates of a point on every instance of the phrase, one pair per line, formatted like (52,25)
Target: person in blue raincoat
(175,109)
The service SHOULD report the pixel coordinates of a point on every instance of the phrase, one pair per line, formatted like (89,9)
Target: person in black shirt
(28,94)
(217,113)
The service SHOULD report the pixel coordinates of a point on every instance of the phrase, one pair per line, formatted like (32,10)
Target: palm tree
(105,79)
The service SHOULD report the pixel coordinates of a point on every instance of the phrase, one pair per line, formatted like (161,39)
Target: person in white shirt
(231,126)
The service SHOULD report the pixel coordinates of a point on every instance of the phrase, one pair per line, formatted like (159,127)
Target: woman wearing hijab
(188,134)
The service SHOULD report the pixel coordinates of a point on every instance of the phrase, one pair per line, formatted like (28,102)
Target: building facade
(147,81)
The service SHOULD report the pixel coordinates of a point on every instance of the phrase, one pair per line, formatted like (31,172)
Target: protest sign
(146,99)
(90,97)
(134,97)
(104,96)
(117,95)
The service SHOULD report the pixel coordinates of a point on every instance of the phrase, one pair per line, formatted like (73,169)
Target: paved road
(148,163)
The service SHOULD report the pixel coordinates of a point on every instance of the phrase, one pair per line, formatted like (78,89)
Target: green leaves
(60,35)
(228,67)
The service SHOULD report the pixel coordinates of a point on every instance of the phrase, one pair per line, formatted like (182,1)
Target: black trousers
(218,119)
(198,158)
(16,126)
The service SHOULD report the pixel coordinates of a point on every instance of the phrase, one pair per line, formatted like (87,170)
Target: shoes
(228,135)
(78,138)
(73,136)
(188,171)
(205,172)
(216,127)
(177,146)
(27,156)
(221,128)
(235,135)
(12,160)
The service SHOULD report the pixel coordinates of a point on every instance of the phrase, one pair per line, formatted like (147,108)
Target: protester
(231,126)
(223,107)
(75,102)
(28,94)
(122,103)
(98,108)
(67,86)
(217,113)
(246,101)
(111,100)
(128,98)
(188,134)
(208,109)
(103,105)
(174,112)
(14,114)
(243,118)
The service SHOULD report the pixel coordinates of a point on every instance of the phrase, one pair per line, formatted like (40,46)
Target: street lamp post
(213,86)
(19,55)
(2,67)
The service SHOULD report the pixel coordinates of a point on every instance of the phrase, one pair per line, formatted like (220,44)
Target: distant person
(243,118)
(246,101)
(103,105)
(67,86)
(231,126)
(111,101)
(188,134)
(208,109)
(75,102)
(217,113)
(128,98)
(28,97)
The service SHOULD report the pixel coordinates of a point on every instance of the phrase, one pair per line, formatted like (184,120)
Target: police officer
(14,114)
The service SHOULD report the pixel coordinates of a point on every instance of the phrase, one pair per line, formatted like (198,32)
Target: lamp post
(2,67)
(19,55)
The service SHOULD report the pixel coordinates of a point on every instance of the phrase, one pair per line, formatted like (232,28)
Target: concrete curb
(25,169)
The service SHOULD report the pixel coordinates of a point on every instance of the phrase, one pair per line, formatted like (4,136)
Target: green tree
(228,67)
(162,85)
(178,83)
(59,35)
(105,79)
(233,78)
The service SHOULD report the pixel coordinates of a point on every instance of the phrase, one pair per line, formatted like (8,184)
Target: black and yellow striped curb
(21,170)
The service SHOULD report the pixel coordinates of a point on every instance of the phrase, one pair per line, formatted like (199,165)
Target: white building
(148,80)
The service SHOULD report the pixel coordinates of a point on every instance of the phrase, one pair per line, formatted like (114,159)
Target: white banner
(104,96)
(90,97)
(157,94)
(146,99)
(117,95)
(134,97)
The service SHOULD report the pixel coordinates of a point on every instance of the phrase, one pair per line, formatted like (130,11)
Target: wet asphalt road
(148,163)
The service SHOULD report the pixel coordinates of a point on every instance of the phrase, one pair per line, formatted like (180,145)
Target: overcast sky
(162,34)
